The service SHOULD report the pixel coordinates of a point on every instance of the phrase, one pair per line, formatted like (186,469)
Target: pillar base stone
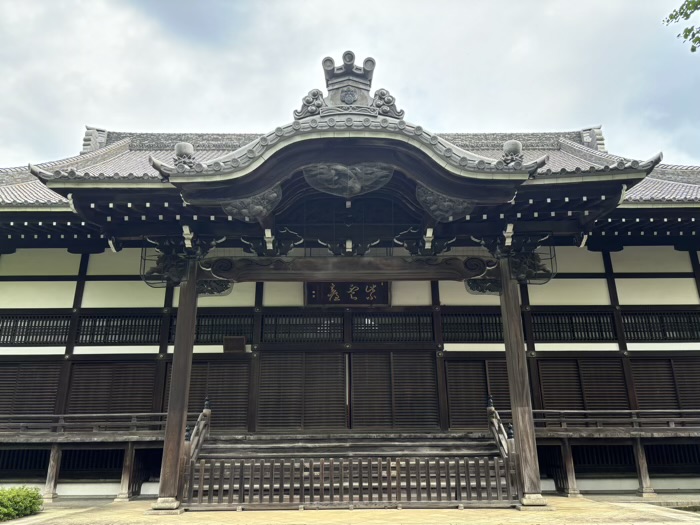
(122,498)
(571,493)
(49,497)
(533,502)
(646,493)
(166,506)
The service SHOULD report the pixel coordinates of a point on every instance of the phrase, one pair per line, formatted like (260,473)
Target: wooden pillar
(52,474)
(519,385)
(640,460)
(179,393)
(126,487)
(571,488)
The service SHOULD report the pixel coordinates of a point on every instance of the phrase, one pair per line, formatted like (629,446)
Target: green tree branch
(684,12)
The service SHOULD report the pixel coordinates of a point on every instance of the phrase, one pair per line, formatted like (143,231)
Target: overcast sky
(453,66)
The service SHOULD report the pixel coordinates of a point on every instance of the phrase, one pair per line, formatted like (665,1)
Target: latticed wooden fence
(349,482)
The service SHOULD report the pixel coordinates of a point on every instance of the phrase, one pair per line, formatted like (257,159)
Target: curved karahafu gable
(349,113)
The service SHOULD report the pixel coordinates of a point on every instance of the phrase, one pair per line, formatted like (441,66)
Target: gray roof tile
(125,157)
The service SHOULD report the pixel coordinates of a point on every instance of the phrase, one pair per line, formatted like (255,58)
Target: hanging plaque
(347,294)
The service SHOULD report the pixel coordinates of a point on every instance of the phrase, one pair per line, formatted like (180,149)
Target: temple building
(349,311)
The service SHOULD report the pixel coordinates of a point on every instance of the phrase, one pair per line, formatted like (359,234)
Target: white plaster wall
(149,488)
(85,350)
(11,484)
(576,347)
(676,483)
(453,293)
(475,347)
(96,488)
(411,293)
(607,484)
(547,485)
(657,291)
(125,262)
(663,346)
(243,294)
(33,350)
(650,259)
(571,259)
(39,294)
(208,349)
(283,294)
(122,294)
(50,261)
(570,292)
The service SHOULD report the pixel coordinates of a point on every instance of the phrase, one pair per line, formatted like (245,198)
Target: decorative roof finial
(513,153)
(348,84)
(184,156)
(348,92)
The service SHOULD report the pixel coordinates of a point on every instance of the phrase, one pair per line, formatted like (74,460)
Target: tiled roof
(30,194)
(125,156)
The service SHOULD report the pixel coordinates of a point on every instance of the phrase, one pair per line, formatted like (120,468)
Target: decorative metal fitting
(207,406)
(489,401)
(510,431)
(188,433)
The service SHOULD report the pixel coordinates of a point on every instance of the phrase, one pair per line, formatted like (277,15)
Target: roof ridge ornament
(348,92)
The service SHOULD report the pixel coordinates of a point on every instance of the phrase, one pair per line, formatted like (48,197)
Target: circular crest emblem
(348,96)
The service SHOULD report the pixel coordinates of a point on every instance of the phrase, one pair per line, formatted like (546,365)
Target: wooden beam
(179,393)
(323,269)
(519,386)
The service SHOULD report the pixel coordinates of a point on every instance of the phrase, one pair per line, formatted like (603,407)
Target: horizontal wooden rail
(131,422)
(662,418)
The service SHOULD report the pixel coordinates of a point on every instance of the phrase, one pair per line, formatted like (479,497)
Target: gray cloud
(530,65)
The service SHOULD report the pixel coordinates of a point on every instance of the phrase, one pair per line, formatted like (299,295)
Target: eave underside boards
(558,210)
(642,226)
(132,215)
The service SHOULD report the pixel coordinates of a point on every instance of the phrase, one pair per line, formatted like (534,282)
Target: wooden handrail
(497,429)
(199,433)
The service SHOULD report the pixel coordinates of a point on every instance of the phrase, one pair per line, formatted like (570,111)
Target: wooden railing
(199,433)
(497,429)
(658,419)
(93,423)
(348,482)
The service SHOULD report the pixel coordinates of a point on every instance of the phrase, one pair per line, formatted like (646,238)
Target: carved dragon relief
(441,207)
(347,181)
(254,208)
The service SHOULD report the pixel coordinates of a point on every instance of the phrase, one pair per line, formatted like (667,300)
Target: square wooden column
(127,481)
(179,393)
(519,386)
(645,489)
(52,474)
(571,489)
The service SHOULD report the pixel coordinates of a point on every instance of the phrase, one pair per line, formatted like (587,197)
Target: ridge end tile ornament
(184,156)
(513,153)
